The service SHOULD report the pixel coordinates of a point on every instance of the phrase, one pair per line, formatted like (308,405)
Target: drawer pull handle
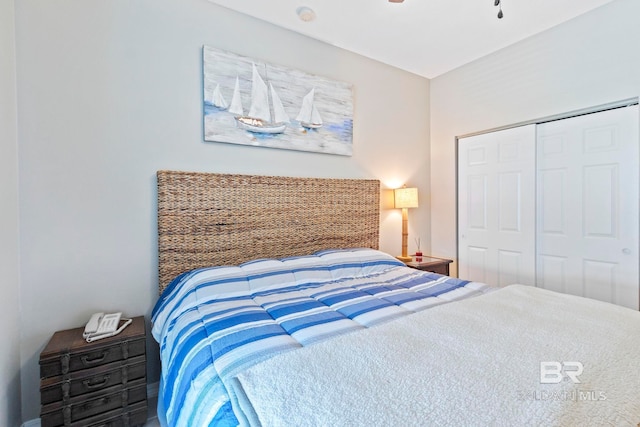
(87,361)
(91,385)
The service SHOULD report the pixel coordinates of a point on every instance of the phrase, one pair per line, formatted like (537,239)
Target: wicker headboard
(207,219)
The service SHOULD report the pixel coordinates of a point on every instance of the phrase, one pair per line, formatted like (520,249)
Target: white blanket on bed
(473,362)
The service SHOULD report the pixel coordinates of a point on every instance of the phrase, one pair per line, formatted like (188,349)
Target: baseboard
(152,394)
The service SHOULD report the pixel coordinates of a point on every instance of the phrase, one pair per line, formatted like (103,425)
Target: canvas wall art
(250,102)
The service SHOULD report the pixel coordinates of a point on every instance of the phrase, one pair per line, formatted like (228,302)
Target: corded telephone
(103,325)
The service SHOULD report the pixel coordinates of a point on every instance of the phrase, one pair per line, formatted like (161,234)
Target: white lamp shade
(405,197)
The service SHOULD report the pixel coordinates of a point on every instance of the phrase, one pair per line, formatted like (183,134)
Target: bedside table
(432,264)
(102,382)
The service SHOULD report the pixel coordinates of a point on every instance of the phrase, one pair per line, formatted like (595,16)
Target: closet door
(587,221)
(496,207)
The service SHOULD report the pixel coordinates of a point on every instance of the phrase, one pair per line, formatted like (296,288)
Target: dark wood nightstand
(102,382)
(432,264)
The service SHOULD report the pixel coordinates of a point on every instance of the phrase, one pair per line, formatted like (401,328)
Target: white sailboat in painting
(260,119)
(309,117)
(236,101)
(217,100)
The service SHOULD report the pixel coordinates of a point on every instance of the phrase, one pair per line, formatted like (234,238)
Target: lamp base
(404,258)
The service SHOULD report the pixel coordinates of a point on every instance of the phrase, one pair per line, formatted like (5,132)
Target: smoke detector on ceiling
(306,13)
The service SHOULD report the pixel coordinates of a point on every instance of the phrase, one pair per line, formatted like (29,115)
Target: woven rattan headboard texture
(207,219)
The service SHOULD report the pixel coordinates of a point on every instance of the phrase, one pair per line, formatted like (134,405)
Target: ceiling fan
(495,3)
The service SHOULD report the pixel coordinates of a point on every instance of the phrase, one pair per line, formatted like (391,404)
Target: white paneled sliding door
(496,207)
(555,205)
(588,195)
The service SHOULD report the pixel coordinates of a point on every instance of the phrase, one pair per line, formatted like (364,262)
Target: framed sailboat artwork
(251,102)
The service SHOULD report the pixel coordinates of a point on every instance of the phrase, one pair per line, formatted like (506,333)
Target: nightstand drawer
(91,380)
(59,414)
(440,269)
(64,362)
(134,415)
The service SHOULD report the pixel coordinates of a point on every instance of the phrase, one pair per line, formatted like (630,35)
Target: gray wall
(109,92)
(591,60)
(9,262)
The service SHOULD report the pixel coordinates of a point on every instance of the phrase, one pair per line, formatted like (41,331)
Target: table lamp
(405,198)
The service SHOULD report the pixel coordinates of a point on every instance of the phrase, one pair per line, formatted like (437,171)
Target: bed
(276,308)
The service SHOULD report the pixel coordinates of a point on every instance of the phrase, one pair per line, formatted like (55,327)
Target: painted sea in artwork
(250,102)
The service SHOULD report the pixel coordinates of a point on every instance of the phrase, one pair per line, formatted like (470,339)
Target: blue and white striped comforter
(213,323)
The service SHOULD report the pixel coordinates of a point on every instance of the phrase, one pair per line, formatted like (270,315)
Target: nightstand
(102,382)
(432,264)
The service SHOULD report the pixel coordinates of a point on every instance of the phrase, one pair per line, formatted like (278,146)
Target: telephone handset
(103,325)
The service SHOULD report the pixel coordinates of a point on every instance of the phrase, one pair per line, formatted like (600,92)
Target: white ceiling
(425,37)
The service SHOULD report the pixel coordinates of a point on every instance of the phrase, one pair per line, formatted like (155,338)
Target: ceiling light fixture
(499,4)
(306,13)
(396,1)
